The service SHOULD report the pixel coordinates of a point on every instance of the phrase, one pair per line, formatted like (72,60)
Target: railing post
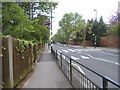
(105,84)
(56,55)
(61,59)
(52,50)
(70,69)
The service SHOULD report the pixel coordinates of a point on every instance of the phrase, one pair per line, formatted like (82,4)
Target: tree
(18,25)
(44,20)
(79,26)
(115,18)
(96,28)
(35,8)
(59,37)
(12,19)
(115,25)
(66,25)
(102,28)
(89,33)
(72,26)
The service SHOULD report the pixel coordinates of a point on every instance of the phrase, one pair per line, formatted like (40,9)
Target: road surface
(102,60)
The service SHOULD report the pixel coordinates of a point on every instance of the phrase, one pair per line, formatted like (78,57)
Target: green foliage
(16,23)
(95,28)
(32,8)
(16,20)
(59,37)
(115,30)
(66,25)
(11,17)
(72,27)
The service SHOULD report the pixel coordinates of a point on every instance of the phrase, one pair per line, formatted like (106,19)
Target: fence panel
(5,63)
(24,59)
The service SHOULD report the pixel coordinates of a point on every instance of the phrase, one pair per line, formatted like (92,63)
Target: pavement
(47,74)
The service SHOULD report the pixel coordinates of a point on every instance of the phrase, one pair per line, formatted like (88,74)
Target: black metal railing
(77,78)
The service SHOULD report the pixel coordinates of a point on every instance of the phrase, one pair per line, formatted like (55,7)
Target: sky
(104,8)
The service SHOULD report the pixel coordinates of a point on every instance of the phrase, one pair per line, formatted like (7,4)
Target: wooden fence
(18,60)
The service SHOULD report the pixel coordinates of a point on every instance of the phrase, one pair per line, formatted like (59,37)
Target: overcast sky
(104,8)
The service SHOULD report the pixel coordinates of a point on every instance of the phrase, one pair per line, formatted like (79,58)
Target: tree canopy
(114,27)
(73,27)
(18,20)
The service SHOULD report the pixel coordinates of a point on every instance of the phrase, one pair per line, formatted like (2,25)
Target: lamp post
(51,21)
(95,14)
(95,20)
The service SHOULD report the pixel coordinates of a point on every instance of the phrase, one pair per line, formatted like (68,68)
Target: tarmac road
(102,60)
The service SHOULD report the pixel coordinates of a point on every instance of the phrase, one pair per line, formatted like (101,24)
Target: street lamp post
(96,14)
(51,21)
(95,34)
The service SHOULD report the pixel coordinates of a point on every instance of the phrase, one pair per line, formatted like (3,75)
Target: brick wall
(87,43)
(109,41)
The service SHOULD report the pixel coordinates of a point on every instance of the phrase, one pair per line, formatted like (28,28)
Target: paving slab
(47,74)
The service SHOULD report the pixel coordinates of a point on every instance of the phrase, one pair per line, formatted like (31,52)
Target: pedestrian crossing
(79,50)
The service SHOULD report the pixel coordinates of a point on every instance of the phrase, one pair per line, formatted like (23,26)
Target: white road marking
(78,68)
(108,53)
(92,49)
(75,58)
(90,55)
(107,61)
(71,50)
(79,50)
(63,56)
(59,51)
(103,60)
(65,51)
(84,57)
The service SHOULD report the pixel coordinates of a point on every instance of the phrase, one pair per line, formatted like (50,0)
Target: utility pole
(95,34)
(51,21)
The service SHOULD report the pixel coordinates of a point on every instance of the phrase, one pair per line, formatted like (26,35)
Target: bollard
(61,59)
(70,69)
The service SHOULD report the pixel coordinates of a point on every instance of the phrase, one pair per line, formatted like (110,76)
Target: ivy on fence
(25,56)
